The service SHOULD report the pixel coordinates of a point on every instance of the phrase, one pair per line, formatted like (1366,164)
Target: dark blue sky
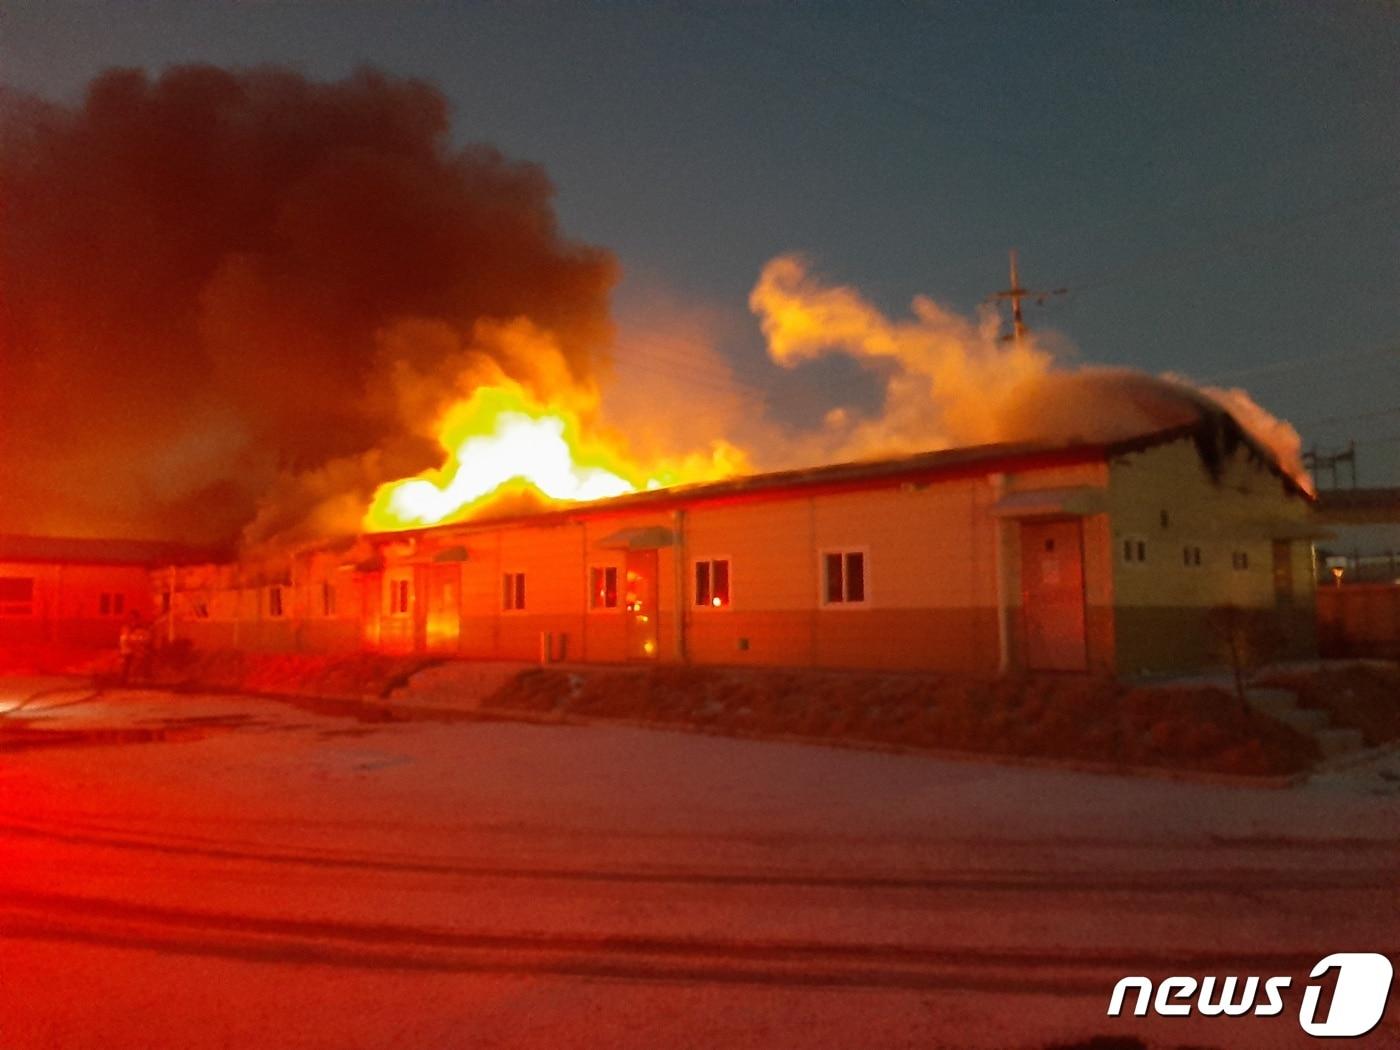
(1218,185)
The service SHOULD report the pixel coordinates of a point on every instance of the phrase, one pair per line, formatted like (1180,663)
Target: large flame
(523,428)
(503,443)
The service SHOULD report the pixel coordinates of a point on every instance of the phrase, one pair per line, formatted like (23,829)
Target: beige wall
(1161,601)
(933,577)
(555,558)
(931,587)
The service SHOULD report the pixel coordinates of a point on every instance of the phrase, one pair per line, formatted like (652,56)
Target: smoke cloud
(951,380)
(234,297)
(235,304)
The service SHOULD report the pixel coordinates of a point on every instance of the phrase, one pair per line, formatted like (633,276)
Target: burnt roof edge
(854,476)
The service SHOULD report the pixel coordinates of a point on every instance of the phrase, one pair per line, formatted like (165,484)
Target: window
(399,597)
(1134,550)
(16,596)
(1239,560)
(327,599)
(110,604)
(1191,557)
(1166,520)
(513,591)
(712,583)
(274,601)
(602,587)
(843,577)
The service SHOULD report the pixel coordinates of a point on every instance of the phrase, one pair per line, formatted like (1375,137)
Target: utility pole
(1316,462)
(1015,294)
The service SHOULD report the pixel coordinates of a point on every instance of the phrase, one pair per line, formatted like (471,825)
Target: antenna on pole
(1317,462)
(1015,294)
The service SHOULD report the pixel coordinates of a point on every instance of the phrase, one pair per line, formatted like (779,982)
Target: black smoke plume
(197,274)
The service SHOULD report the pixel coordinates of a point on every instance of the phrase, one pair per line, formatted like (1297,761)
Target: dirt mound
(1098,720)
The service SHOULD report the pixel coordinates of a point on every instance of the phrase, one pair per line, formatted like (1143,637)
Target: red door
(443,626)
(1052,595)
(642,635)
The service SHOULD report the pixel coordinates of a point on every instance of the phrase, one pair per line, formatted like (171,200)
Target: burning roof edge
(972,459)
(1213,440)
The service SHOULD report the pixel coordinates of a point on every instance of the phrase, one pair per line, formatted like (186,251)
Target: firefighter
(134,644)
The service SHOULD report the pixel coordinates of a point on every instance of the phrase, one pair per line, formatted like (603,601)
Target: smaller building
(76,593)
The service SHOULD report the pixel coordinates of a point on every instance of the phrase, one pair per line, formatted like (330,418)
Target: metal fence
(1359,619)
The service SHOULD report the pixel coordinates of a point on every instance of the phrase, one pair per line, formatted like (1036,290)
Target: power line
(885,92)
(1043,155)
(713,383)
(1351,418)
(1263,231)
(1389,440)
(737,391)
(1303,362)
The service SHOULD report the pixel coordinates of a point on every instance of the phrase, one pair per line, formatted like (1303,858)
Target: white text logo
(1359,995)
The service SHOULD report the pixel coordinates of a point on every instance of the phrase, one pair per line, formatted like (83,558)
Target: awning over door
(1077,502)
(645,538)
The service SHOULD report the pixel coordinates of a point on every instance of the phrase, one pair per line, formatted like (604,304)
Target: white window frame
(619,578)
(710,559)
(515,588)
(867,601)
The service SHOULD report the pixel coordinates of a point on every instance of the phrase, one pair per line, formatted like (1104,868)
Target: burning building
(1065,556)
(372,355)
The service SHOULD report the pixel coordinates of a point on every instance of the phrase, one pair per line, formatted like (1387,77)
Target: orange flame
(503,442)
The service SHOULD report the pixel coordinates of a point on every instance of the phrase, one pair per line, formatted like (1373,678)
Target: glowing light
(649,647)
(716,602)
(503,441)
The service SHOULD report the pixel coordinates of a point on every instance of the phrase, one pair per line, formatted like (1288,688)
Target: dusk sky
(1216,185)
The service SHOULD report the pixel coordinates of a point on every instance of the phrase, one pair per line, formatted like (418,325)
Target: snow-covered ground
(262,874)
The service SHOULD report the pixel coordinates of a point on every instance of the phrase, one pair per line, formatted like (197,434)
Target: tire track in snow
(107,923)
(1243,881)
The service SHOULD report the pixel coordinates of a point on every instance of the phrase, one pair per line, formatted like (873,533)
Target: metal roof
(945,464)
(922,467)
